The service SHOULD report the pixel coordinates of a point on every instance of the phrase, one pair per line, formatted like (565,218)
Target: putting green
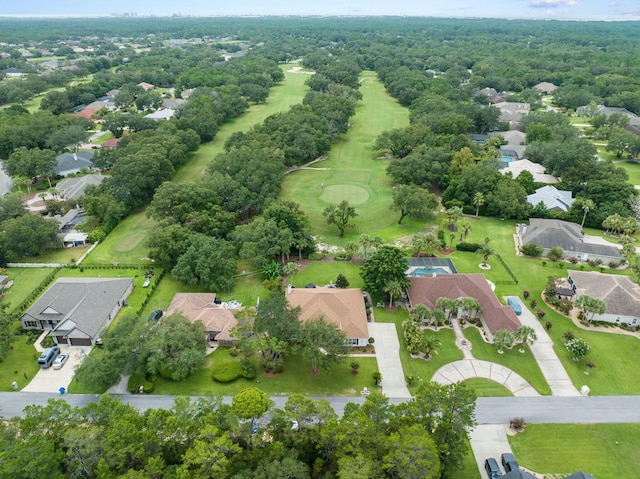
(133,240)
(355,195)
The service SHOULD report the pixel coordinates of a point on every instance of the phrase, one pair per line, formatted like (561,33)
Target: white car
(60,360)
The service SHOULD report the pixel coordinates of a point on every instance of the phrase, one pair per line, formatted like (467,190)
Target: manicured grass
(353,173)
(420,369)
(606,451)
(25,280)
(323,272)
(616,357)
(296,378)
(281,97)
(20,365)
(469,468)
(57,256)
(522,363)
(126,244)
(632,169)
(486,388)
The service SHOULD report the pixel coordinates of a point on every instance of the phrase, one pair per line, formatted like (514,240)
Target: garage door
(79,342)
(61,340)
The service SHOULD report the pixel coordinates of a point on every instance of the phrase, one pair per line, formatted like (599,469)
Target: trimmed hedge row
(470,247)
(229,371)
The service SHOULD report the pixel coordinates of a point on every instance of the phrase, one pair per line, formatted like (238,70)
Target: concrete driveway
(489,441)
(51,380)
(388,357)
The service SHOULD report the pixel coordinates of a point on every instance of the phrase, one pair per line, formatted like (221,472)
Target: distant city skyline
(538,9)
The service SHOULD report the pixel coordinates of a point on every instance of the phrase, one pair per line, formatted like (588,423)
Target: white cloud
(551,3)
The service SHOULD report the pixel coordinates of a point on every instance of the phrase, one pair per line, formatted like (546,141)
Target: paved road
(5,182)
(541,409)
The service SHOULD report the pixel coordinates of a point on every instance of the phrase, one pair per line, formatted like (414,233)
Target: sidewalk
(542,349)
(388,357)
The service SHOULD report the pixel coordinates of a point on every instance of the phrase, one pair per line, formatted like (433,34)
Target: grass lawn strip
(25,281)
(296,378)
(487,388)
(606,451)
(351,172)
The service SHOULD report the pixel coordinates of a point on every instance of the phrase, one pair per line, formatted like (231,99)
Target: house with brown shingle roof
(494,316)
(218,318)
(619,293)
(146,86)
(545,87)
(344,308)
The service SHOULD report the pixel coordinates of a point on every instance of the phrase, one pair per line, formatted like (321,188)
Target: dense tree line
(422,438)
(243,183)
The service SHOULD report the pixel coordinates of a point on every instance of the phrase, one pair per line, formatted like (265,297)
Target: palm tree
(525,334)
(427,243)
(470,305)
(351,248)
(393,288)
(429,344)
(452,215)
(365,241)
(478,201)
(587,205)
(502,338)
(448,306)
(419,314)
(466,229)
(486,251)
(437,317)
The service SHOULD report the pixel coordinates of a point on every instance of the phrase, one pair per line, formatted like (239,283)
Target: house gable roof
(343,308)
(580,475)
(73,161)
(427,290)
(619,293)
(545,87)
(82,304)
(201,307)
(549,233)
(518,474)
(553,198)
(73,188)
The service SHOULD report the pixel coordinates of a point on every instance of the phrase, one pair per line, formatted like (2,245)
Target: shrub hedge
(470,247)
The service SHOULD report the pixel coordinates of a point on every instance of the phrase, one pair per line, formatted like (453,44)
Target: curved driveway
(474,368)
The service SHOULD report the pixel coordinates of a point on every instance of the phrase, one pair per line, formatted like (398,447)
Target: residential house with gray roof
(76,310)
(552,198)
(71,163)
(619,293)
(549,233)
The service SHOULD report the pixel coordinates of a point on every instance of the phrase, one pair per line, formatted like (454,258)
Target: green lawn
(20,365)
(323,272)
(126,244)
(486,388)
(57,256)
(296,378)
(606,451)
(281,97)
(353,173)
(632,169)
(522,363)
(420,369)
(25,280)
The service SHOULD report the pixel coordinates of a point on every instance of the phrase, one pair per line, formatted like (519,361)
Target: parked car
(515,305)
(157,314)
(509,462)
(48,356)
(492,468)
(60,360)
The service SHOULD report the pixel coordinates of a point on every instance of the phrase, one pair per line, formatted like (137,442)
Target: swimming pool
(422,272)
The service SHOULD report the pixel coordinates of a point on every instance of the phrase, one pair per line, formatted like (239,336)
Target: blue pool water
(506,159)
(422,272)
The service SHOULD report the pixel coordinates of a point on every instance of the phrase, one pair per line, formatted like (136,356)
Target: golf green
(355,195)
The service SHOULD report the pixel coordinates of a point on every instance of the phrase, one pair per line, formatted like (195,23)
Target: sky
(547,9)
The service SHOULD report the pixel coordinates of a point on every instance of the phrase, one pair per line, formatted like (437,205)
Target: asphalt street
(543,409)
(5,182)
